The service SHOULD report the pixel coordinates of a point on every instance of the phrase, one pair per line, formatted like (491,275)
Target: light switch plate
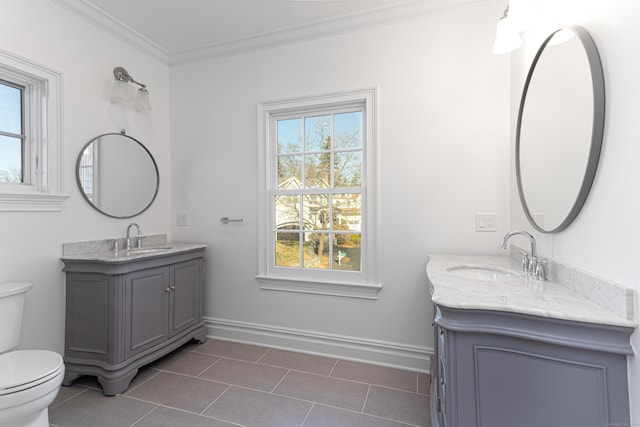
(486,222)
(181,220)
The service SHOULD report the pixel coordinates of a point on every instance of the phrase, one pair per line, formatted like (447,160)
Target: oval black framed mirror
(560,129)
(117,175)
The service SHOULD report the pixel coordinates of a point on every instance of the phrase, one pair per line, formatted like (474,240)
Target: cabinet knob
(173,288)
(167,290)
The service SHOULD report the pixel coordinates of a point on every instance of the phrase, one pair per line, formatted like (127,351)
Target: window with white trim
(30,136)
(318,228)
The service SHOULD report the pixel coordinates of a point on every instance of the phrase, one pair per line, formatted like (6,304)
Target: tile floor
(221,383)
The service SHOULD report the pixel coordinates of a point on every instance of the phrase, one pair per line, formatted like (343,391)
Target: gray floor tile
(168,392)
(330,391)
(93,408)
(66,393)
(324,416)
(424,383)
(378,375)
(167,417)
(233,350)
(185,362)
(179,391)
(245,374)
(410,408)
(299,361)
(256,408)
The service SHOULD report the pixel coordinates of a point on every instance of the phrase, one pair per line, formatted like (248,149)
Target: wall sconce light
(507,36)
(120,90)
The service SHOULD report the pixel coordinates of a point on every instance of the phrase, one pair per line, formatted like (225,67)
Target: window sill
(31,202)
(347,290)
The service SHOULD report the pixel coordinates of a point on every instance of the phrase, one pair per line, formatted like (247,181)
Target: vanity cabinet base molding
(122,316)
(503,369)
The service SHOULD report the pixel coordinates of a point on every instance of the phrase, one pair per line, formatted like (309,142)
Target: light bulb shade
(143,103)
(119,92)
(507,38)
(519,15)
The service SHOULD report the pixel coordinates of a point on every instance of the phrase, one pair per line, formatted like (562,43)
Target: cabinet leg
(69,377)
(201,337)
(112,387)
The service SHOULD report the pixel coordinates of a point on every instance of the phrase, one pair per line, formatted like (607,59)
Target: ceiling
(178,31)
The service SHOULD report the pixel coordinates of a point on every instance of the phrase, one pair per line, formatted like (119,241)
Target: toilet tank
(11,307)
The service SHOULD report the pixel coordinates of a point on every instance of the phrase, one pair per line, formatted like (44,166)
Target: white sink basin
(483,273)
(141,251)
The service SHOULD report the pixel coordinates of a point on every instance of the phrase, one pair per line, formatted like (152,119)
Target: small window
(30,136)
(319,228)
(11,132)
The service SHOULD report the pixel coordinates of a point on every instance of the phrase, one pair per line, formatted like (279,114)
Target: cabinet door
(185,309)
(146,309)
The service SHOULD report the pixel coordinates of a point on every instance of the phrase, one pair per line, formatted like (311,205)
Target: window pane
(289,172)
(10,159)
(10,109)
(317,170)
(290,136)
(348,169)
(347,131)
(346,252)
(287,250)
(316,212)
(347,212)
(317,133)
(287,209)
(316,251)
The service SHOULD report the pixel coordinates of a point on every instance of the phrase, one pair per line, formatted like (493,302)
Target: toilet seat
(24,369)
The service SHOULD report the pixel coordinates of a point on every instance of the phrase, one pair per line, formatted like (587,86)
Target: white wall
(30,242)
(604,239)
(443,132)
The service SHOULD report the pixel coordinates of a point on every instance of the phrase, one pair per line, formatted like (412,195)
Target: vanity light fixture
(120,90)
(507,36)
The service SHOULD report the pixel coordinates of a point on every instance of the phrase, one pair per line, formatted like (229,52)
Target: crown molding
(115,27)
(408,10)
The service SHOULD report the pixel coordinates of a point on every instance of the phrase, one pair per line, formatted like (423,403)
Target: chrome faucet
(530,264)
(128,241)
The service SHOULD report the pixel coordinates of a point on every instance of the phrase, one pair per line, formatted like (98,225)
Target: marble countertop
(110,256)
(513,292)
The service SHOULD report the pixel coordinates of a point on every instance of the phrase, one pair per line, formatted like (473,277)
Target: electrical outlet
(486,222)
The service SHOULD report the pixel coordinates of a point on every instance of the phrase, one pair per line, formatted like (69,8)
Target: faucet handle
(541,271)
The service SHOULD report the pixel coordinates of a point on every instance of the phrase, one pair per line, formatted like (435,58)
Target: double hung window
(12,135)
(319,228)
(30,136)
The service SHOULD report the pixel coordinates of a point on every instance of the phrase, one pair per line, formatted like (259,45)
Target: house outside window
(319,229)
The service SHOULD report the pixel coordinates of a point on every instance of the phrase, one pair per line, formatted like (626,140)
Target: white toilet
(29,379)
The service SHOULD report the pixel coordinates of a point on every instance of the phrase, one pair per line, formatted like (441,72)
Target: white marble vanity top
(518,293)
(103,250)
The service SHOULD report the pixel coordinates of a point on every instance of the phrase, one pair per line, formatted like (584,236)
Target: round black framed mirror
(117,175)
(560,129)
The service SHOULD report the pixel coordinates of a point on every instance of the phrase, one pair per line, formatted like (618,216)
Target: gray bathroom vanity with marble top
(510,350)
(125,309)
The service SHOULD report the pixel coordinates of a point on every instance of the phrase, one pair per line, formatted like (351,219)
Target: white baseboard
(392,354)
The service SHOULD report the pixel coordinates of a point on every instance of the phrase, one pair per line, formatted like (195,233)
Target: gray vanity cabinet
(503,369)
(160,303)
(123,315)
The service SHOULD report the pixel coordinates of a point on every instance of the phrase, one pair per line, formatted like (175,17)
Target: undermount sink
(140,251)
(483,273)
